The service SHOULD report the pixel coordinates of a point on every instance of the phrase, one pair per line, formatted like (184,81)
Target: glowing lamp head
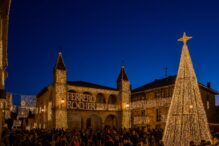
(62,101)
(191,107)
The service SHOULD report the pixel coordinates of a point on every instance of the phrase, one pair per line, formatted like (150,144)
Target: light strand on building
(159,102)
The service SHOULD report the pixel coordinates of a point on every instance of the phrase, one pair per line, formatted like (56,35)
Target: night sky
(95,36)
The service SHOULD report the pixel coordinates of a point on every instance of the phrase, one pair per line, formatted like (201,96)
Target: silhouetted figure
(192,143)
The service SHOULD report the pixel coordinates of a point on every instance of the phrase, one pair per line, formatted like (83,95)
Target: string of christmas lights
(186,120)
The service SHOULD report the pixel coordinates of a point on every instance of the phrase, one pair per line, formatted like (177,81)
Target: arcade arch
(94,121)
(111,121)
(100,98)
(74,122)
(112,99)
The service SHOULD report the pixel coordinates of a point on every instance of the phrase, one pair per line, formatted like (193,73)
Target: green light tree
(186,120)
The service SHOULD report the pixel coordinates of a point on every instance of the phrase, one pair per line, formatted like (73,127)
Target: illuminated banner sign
(28,101)
(161,102)
(81,101)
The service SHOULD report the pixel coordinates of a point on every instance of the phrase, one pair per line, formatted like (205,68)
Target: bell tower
(123,85)
(59,99)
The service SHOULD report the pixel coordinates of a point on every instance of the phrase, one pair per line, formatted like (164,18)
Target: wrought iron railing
(109,107)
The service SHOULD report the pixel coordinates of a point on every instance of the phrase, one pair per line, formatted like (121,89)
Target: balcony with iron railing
(107,107)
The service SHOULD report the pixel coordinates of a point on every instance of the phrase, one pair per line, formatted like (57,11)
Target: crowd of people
(88,137)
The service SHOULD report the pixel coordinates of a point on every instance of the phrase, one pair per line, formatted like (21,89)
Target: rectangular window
(143,113)
(208,105)
(157,94)
(158,115)
(207,102)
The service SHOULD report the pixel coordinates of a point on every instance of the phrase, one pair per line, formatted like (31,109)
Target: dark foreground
(88,137)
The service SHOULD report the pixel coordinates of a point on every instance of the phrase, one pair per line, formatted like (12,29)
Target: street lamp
(62,102)
(3,111)
(127,106)
(42,117)
(42,110)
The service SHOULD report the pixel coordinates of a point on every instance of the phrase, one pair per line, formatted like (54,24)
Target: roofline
(45,89)
(42,91)
(101,86)
(200,85)
(136,92)
(209,89)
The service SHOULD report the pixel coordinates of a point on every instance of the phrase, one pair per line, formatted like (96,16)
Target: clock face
(23,103)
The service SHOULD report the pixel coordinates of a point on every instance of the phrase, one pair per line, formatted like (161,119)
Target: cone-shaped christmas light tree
(186,120)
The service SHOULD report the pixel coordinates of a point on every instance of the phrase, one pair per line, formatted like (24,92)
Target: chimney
(209,84)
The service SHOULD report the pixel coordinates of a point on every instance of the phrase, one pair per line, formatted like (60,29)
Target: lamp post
(128,112)
(127,106)
(43,110)
(62,102)
(3,111)
(43,120)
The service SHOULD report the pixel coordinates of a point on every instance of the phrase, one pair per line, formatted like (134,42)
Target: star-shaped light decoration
(184,38)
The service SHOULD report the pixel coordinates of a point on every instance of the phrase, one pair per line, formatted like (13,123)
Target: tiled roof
(170,80)
(45,89)
(78,83)
(89,85)
(156,83)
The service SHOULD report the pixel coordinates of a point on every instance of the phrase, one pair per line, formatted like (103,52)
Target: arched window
(100,98)
(88,97)
(87,93)
(72,91)
(111,121)
(112,99)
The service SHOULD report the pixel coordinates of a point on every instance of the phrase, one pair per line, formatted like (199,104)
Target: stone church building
(80,105)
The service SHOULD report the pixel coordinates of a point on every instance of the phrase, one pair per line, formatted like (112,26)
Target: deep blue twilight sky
(96,35)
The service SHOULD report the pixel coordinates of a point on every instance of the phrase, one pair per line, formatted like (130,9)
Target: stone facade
(4,18)
(150,103)
(80,105)
(124,87)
